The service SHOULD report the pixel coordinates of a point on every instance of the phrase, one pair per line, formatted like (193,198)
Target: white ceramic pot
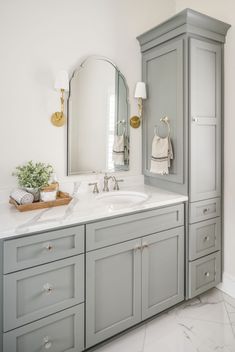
(35,192)
(48,196)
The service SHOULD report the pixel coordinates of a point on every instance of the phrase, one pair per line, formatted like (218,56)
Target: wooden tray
(62,199)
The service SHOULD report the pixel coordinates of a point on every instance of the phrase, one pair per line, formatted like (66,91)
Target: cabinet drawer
(204,210)
(35,293)
(105,233)
(204,274)
(33,250)
(204,238)
(61,332)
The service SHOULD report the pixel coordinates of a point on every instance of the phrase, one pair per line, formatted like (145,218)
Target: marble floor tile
(132,341)
(204,324)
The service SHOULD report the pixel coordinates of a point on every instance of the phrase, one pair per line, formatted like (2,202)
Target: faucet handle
(95,189)
(116,183)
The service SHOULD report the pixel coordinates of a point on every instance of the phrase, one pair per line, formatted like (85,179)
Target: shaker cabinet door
(205,115)
(162,271)
(113,290)
(163,74)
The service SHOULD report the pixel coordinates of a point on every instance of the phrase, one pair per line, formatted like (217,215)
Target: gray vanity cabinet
(66,290)
(182,65)
(131,281)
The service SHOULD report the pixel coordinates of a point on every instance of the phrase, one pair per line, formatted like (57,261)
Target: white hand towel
(22,197)
(162,154)
(118,150)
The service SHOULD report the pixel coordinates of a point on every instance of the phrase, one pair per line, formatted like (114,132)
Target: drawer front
(32,294)
(204,274)
(33,250)
(204,238)
(207,209)
(106,233)
(61,332)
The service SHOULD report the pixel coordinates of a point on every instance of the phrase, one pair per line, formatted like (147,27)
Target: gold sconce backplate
(135,121)
(58,119)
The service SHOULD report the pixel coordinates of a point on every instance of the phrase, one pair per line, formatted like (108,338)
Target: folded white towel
(21,196)
(162,154)
(118,150)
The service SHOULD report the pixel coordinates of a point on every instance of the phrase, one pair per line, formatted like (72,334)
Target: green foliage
(33,175)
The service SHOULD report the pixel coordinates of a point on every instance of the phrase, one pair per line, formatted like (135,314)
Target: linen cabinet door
(113,290)
(162,271)
(163,74)
(205,115)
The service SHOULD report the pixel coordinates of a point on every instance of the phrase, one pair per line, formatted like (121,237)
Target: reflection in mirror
(98,133)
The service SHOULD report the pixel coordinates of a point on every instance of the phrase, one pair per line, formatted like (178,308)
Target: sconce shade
(140,90)
(62,80)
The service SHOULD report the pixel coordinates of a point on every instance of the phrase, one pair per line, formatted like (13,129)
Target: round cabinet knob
(206,238)
(195,119)
(48,288)
(49,247)
(207,274)
(47,343)
(137,248)
(205,210)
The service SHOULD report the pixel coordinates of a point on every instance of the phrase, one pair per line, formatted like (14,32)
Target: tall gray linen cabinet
(182,65)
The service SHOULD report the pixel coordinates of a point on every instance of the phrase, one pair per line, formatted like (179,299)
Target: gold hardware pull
(47,343)
(48,288)
(207,274)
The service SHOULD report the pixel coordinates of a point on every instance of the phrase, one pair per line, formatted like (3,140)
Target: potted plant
(33,176)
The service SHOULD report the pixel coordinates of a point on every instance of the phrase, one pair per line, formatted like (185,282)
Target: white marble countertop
(82,209)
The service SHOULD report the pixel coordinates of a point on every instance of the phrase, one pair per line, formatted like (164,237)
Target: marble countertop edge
(84,208)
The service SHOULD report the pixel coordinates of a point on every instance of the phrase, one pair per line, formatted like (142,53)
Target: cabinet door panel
(205,100)
(60,332)
(204,238)
(204,273)
(162,271)
(35,293)
(163,74)
(113,290)
(29,251)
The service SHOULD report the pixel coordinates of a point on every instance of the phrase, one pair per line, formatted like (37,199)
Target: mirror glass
(98,110)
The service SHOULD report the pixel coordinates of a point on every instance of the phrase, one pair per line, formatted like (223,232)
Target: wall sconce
(62,84)
(140,94)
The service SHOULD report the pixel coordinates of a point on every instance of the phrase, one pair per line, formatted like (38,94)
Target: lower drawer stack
(204,246)
(44,300)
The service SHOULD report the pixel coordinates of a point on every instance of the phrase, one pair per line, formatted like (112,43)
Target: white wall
(225,11)
(40,37)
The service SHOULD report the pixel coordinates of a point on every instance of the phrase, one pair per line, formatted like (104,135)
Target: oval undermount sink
(122,199)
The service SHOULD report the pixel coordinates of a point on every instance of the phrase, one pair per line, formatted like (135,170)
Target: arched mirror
(98,110)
